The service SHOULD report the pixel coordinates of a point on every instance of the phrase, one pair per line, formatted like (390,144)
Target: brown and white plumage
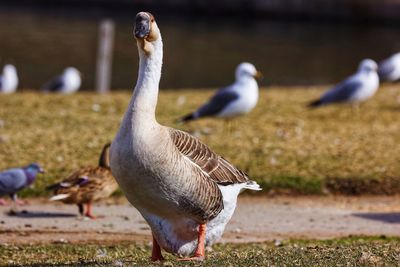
(87,184)
(185,191)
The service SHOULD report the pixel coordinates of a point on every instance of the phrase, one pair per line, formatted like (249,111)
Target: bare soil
(256,219)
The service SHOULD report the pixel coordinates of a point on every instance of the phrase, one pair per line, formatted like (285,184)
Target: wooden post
(105,56)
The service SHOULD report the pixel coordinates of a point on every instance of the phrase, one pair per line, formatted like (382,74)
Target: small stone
(96,107)
(278,243)
(61,241)
(237,230)
(181,100)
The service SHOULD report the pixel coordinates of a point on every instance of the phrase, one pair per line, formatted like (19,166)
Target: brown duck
(87,185)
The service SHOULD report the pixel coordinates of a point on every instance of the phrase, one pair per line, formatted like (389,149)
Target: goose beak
(142,25)
(258,76)
(41,170)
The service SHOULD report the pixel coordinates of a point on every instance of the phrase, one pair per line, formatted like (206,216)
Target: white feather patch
(59,197)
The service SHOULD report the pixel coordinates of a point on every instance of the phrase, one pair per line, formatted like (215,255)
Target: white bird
(357,88)
(8,79)
(67,83)
(237,99)
(389,69)
(185,191)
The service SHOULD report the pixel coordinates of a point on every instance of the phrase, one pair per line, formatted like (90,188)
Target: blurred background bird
(16,179)
(67,83)
(389,69)
(87,185)
(358,87)
(237,99)
(9,79)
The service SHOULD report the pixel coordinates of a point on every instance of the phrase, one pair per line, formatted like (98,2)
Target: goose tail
(252,185)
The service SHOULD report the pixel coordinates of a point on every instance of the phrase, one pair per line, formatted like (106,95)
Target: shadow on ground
(390,217)
(40,214)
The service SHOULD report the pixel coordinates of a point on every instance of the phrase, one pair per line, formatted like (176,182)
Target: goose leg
(156,251)
(199,254)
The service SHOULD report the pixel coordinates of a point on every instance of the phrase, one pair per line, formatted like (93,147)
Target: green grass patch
(356,251)
(281,144)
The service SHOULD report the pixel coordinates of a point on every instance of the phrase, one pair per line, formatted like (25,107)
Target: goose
(186,192)
(8,79)
(389,69)
(87,185)
(356,88)
(234,100)
(16,179)
(67,83)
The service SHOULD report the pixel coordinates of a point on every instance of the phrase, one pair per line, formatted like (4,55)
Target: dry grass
(282,144)
(343,252)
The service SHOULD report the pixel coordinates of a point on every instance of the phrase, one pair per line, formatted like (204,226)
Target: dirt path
(256,219)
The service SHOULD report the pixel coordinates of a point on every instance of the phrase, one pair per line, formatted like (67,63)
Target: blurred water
(198,52)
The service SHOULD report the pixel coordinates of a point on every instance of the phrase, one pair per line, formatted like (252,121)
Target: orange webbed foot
(199,255)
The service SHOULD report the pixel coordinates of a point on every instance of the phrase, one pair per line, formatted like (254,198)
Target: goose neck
(145,96)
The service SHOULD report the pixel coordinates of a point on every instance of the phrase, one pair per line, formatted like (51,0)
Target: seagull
(185,191)
(8,79)
(86,185)
(237,99)
(67,83)
(16,179)
(356,88)
(389,69)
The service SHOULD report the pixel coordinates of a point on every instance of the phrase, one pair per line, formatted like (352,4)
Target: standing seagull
(185,191)
(357,88)
(14,180)
(8,79)
(389,69)
(67,83)
(234,100)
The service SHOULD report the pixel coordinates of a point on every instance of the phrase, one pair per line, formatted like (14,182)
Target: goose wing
(216,167)
(205,199)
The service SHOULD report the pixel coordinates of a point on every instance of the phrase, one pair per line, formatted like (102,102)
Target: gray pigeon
(16,179)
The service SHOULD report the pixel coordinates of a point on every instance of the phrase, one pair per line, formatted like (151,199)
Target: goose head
(368,65)
(247,70)
(146,32)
